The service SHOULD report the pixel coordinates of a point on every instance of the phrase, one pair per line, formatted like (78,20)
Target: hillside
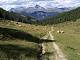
(19,42)
(14,16)
(72,15)
(40,30)
(22,41)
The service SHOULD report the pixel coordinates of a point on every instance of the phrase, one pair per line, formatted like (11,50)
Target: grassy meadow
(21,42)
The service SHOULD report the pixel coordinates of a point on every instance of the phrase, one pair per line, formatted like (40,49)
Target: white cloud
(7,4)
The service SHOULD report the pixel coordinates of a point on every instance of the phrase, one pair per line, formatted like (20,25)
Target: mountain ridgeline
(72,15)
(37,12)
(5,15)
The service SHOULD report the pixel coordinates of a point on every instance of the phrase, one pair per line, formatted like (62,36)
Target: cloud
(26,1)
(7,4)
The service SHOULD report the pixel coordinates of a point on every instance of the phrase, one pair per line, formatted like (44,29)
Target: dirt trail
(58,53)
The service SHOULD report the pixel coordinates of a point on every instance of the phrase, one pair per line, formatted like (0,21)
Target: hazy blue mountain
(28,10)
(39,12)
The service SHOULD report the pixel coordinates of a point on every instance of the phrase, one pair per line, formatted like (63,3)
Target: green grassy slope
(16,44)
(72,15)
(21,40)
(22,47)
(69,41)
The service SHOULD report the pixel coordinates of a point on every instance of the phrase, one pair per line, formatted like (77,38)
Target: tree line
(72,15)
(6,15)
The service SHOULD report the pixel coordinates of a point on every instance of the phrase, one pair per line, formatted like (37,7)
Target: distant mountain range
(71,15)
(42,15)
(38,12)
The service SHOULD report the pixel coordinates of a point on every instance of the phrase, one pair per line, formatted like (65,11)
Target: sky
(8,4)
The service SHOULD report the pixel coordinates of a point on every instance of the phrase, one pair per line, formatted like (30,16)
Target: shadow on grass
(47,55)
(46,40)
(16,52)
(13,33)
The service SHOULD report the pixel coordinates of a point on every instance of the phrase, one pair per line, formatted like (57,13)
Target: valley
(67,41)
(40,33)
